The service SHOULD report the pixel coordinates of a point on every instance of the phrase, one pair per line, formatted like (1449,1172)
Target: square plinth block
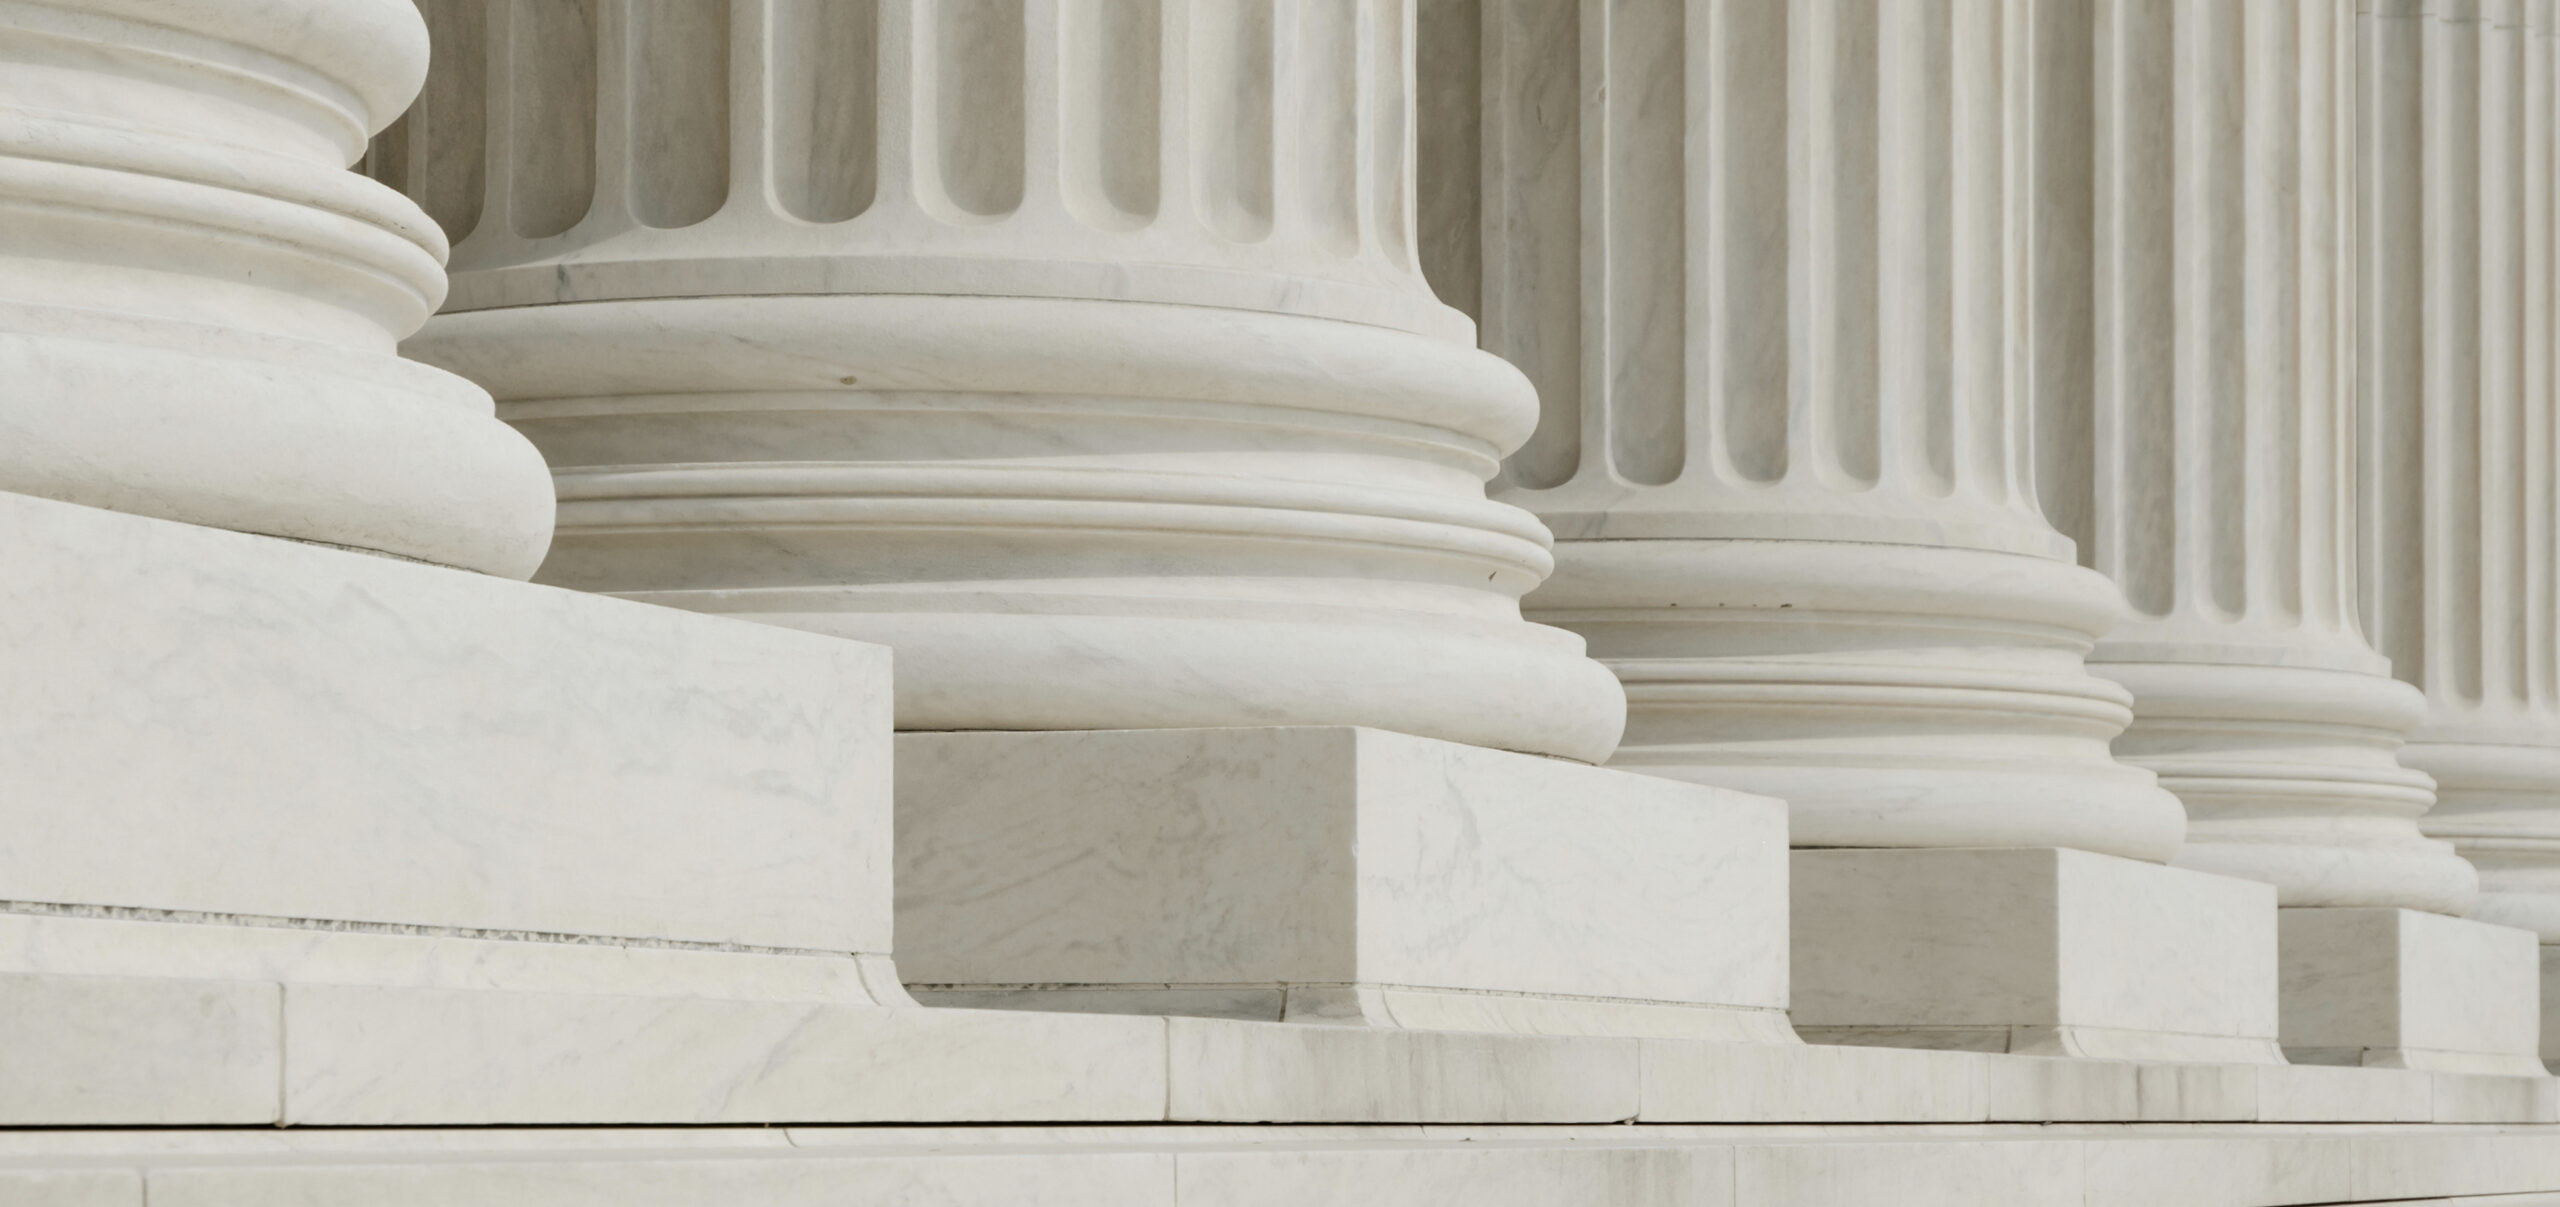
(1335,874)
(2033,950)
(236,728)
(2400,989)
(2551,1006)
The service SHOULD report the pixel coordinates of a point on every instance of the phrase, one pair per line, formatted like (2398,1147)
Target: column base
(1335,874)
(2401,989)
(2036,950)
(1108,515)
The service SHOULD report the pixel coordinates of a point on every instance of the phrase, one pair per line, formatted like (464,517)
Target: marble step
(1623,1166)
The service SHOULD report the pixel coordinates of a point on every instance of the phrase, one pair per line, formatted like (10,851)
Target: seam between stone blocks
(184,917)
(284,1077)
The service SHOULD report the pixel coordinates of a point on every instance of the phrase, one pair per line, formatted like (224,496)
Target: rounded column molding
(1764,261)
(199,305)
(1078,351)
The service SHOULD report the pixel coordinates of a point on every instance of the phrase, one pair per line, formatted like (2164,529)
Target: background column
(1770,264)
(1078,351)
(199,304)
(2458,452)
(2196,390)
(1780,333)
(2457,468)
(2196,387)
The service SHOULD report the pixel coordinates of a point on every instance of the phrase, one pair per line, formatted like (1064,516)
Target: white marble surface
(2550,1003)
(2021,1089)
(378,1057)
(1981,949)
(1808,1083)
(131,1050)
(198,305)
(1647,1176)
(1102,420)
(2447,1161)
(2456,261)
(1232,1072)
(2218,1171)
(2295,1093)
(1765,266)
(1105,1179)
(1369,865)
(2406,989)
(72,1187)
(1643,1165)
(2196,423)
(1097,185)
(2492,1098)
(207,721)
(1910,1174)
(330,954)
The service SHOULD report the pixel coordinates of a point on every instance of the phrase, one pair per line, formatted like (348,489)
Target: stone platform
(1485,1166)
(485,1034)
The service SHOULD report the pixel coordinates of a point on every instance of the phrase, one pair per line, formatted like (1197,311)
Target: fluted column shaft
(199,304)
(1077,349)
(1783,337)
(2201,437)
(2459,451)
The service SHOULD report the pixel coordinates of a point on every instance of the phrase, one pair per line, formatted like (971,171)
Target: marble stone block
(584,1179)
(2399,988)
(71,1188)
(2036,950)
(2333,1094)
(2550,1004)
(363,1056)
(1474,1174)
(202,721)
(2491,1098)
(1336,874)
(1809,1083)
(1220,1071)
(128,1050)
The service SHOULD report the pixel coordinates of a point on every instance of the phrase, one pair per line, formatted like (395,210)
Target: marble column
(1766,262)
(1077,349)
(2196,386)
(1773,265)
(199,304)
(2458,530)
